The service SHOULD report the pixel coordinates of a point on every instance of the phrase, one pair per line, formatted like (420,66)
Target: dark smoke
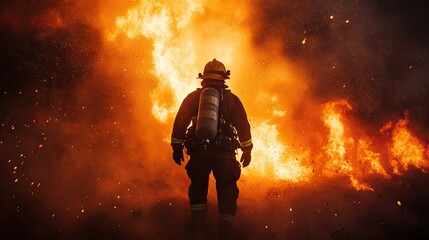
(53,131)
(378,60)
(331,210)
(73,167)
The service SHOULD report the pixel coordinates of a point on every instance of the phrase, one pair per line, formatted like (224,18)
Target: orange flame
(335,149)
(182,41)
(406,149)
(369,159)
(174,57)
(172,51)
(274,158)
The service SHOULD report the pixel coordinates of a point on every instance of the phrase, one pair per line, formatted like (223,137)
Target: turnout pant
(226,171)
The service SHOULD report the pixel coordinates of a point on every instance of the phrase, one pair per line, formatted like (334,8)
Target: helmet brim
(212,76)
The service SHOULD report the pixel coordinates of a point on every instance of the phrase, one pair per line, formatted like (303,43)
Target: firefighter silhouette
(218,127)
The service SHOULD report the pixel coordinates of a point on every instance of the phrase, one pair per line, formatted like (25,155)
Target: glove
(178,153)
(247,156)
(178,157)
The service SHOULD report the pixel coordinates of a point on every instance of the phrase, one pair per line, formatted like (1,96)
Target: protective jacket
(233,113)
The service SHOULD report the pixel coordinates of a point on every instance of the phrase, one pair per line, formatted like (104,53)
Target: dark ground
(325,210)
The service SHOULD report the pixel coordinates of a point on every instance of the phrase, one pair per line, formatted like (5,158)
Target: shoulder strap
(221,119)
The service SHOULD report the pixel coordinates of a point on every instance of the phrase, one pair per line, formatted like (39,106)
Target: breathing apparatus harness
(226,138)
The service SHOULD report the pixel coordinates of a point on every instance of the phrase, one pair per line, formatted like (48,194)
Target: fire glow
(177,39)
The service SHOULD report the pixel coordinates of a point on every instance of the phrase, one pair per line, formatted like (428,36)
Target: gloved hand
(247,156)
(178,153)
(178,157)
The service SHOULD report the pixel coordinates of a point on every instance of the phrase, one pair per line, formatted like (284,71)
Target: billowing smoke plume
(83,156)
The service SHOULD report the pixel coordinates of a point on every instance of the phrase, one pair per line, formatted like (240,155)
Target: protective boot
(225,230)
(199,227)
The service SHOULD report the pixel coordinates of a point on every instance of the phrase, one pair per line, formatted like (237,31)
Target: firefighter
(218,127)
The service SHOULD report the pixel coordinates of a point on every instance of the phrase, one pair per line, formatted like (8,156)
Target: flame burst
(186,34)
(406,150)
(335,149)
(275,159)
(352,158)
(173,58)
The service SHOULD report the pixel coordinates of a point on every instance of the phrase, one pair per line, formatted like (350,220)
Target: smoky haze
(372,53)
(80,159)
(70,152)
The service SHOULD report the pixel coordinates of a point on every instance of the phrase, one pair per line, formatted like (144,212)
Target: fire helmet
(215,70)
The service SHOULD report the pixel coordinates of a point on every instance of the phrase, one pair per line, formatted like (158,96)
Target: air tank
(208,114)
